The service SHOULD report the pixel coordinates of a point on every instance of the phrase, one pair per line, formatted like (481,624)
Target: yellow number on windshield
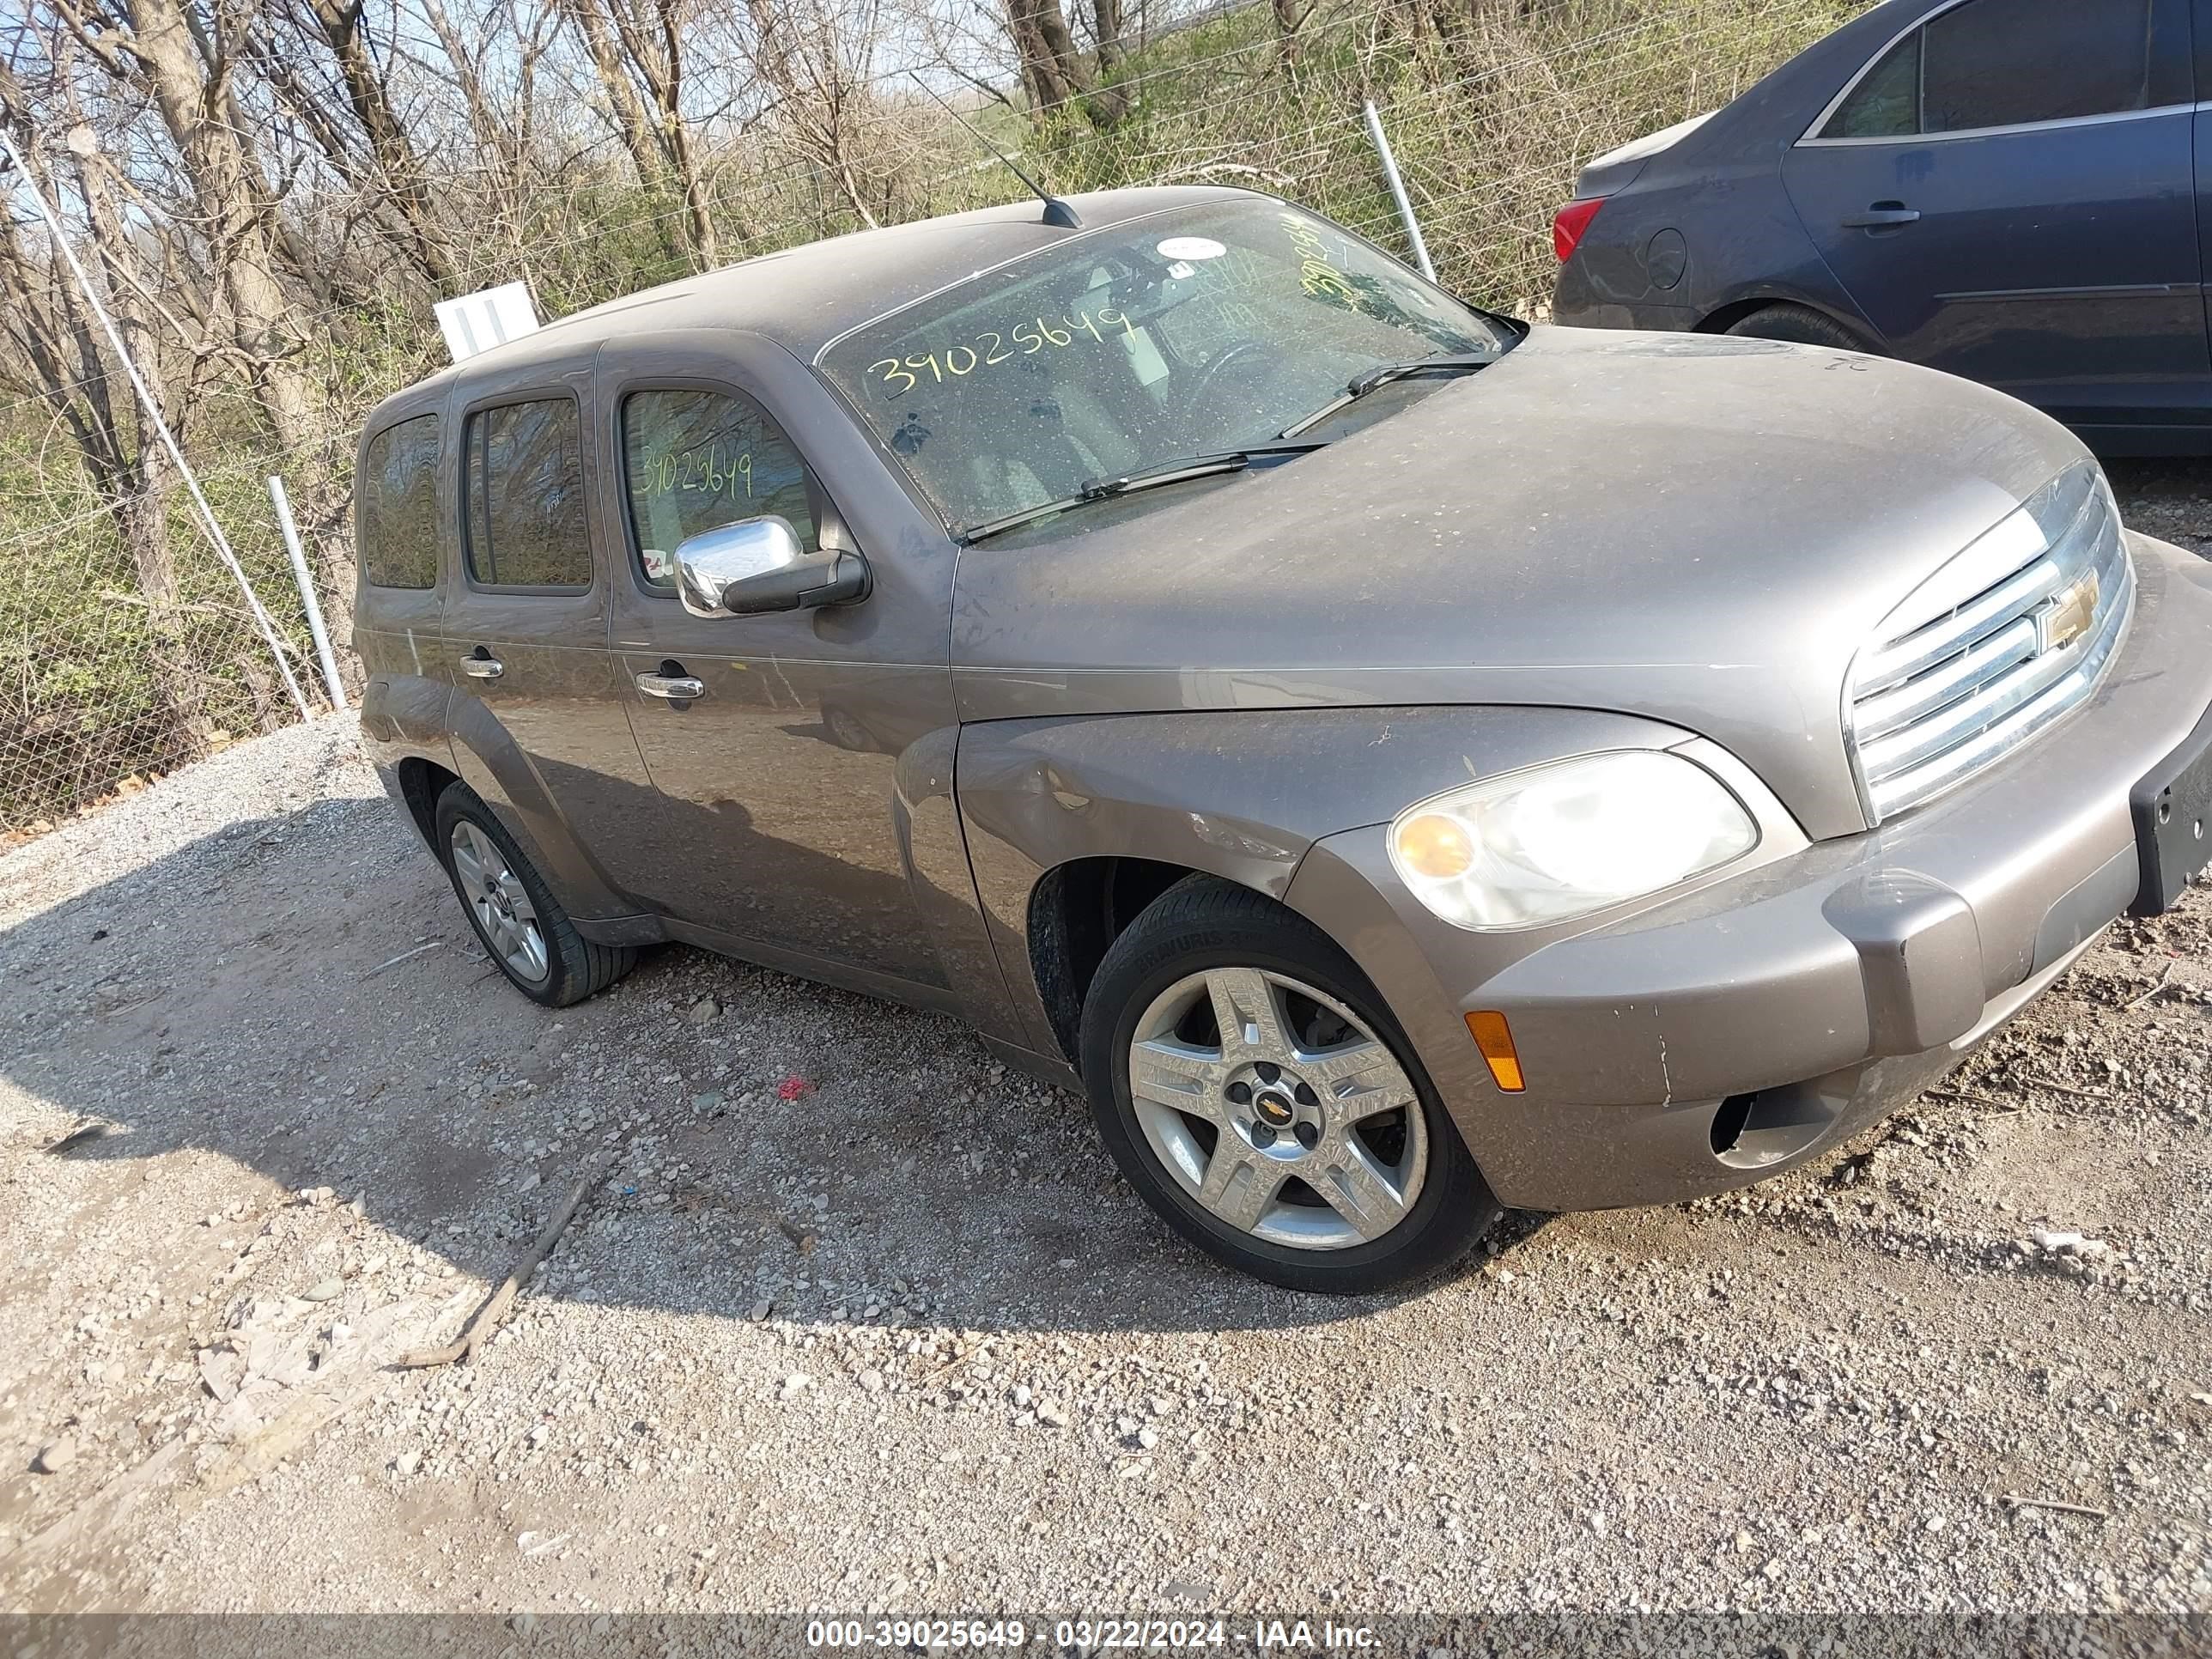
(891,365)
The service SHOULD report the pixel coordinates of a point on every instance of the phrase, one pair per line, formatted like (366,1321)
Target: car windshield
(1194,332)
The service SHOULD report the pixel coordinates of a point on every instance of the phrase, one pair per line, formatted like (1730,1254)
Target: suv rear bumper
(1722,1035)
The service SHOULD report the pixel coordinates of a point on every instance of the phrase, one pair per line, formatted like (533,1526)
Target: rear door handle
(672,687)
(482,665)
(1882,215)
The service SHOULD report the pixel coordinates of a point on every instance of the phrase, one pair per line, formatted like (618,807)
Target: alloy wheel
(499,901)
(1275,1108)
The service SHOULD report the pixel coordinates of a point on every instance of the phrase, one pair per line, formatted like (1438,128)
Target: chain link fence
(112,672)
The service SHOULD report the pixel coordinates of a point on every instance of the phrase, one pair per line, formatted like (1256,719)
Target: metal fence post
(1398,193)
(309,600)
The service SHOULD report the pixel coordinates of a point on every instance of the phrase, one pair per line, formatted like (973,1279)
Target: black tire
(1202,923)
(575,967)
(1801,325)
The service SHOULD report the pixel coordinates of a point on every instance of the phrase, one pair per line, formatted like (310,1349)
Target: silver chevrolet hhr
(1398,762)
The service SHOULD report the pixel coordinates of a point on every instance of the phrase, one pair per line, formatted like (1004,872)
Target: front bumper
(1720,1036)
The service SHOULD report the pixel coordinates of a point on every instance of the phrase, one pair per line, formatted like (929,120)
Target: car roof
(804,297)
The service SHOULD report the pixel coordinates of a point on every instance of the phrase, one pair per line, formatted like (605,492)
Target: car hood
(1698,529)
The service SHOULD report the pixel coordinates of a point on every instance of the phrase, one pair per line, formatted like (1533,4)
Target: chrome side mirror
(756,566)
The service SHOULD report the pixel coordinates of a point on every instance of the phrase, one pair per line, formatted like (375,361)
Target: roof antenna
(1056,212)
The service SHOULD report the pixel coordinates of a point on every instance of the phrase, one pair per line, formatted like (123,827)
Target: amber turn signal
(1436,846)
(1495,1038)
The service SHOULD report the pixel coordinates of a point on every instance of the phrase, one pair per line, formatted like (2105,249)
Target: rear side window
(2014,63)
(396,522)
(694,461)
(523,490)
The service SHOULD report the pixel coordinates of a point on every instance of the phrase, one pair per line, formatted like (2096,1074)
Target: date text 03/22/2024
(1091,1636)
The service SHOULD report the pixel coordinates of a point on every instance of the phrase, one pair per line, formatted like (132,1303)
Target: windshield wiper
(1449,363)
(1163,472)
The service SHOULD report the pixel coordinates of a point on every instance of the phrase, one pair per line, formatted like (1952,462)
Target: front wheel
(1254,1088)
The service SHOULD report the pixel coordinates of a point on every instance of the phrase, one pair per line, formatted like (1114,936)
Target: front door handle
(1883,216)
(671,687)
(482,665)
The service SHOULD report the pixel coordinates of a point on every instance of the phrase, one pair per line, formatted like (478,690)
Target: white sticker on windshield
(1191,247)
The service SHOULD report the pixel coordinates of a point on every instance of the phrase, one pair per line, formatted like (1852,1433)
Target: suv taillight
(1569,224)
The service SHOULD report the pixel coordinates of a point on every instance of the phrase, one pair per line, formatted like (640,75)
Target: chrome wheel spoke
(1177,1075)
(466,865)
(533,947)
(1248,1006)
(1238,1188)
(1361,1190)
(1359,1079)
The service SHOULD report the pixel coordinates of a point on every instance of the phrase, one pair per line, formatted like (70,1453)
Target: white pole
(154,413)
(1398,192)
(313,606)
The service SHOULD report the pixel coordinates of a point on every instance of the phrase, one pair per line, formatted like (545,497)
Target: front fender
(1238,793)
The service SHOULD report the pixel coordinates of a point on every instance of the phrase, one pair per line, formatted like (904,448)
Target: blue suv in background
(2005,189)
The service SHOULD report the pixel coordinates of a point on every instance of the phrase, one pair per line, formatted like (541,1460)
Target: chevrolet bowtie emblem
(2070,616)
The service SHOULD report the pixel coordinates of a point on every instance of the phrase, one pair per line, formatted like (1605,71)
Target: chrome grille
(1996,646)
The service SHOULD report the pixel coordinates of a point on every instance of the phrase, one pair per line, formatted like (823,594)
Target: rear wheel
(523,927)
(1800,323)
(1254,1088)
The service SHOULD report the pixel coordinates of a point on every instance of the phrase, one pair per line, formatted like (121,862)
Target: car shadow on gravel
(302,996)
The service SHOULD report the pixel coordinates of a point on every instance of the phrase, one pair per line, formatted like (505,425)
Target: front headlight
(1549,843)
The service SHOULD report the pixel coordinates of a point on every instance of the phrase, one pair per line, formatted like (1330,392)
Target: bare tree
(56,353)
(624,106)
(1052,70)
(813,57)
(161,48)
(372,152)
(639,52)
(1109,103)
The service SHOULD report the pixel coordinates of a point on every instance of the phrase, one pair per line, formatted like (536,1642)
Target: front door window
(694,461)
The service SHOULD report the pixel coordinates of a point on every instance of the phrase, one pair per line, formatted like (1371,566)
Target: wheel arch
(1075,913)
(420,782)
(492,763)
(1724,317)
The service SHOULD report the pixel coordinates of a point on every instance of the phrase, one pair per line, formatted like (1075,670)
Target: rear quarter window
(396,519)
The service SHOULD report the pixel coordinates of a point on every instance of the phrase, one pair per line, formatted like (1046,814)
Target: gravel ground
(858,1319)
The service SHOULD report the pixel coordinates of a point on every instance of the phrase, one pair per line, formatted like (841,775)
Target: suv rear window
(524,496)
(396,524)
